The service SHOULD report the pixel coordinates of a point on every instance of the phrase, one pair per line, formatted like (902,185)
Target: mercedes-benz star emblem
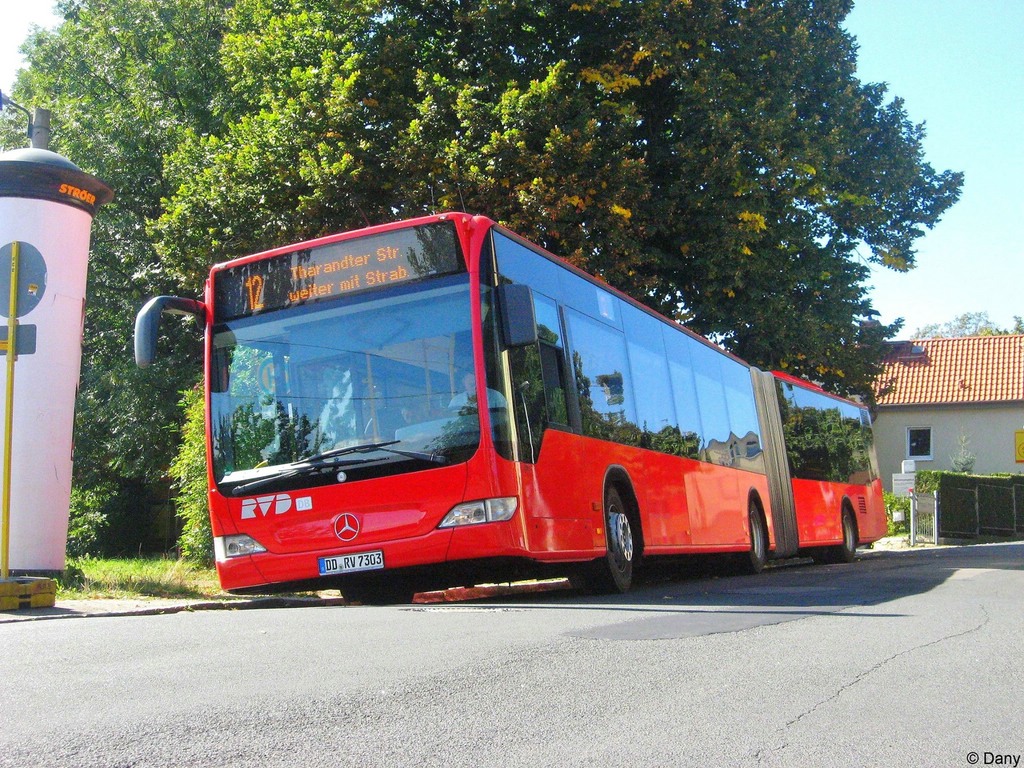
(346,527)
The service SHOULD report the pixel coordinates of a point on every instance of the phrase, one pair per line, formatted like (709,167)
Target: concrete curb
(78,609)
(75,609)
(72,609)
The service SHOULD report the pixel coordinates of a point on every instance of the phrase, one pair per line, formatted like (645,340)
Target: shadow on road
(678,603)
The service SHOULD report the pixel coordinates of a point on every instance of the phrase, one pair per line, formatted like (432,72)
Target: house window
(919,443)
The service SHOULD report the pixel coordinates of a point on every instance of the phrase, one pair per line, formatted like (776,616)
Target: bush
(87,520)
(189,472)
(114,518)
(894,503)
(927,480)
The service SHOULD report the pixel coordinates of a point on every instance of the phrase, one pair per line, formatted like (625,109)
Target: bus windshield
(373,385)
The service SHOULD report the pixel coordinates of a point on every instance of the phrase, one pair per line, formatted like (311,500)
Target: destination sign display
(335,270)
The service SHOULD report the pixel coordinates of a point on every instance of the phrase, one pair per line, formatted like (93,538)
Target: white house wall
(989,430)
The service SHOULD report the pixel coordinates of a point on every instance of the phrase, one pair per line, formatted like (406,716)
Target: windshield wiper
(334,453)
(327,459)
(305,469)
(368,448)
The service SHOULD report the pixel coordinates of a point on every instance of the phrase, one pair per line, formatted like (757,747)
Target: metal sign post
(11,348)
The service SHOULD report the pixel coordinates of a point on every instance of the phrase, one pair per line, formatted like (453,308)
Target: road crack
(764,752)
(884,662)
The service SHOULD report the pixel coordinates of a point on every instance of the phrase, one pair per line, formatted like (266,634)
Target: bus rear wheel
(614,572)
(845,552)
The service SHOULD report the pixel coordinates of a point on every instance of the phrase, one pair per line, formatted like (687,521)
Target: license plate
(357,561)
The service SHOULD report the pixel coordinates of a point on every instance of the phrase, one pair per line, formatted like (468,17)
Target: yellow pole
(12,333)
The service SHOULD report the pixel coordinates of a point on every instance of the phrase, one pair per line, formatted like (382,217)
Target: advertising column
(47,205)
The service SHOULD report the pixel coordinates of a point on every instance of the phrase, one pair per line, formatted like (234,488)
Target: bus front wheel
(614,572)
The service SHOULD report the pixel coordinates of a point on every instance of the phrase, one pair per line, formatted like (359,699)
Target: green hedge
(976,505)
(894,503)
(189,472)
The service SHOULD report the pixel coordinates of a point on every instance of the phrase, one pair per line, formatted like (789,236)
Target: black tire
(612,574)
(847,551)
(756,557)
(840,553)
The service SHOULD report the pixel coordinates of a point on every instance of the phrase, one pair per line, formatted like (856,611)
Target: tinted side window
(592,300)
(548,328)
(743,423)
(602,378)
(867,437)
(684,392)
(537,371)
(824,437)
(527,400)
(519,264)
(655,407)
(552,359)
(501,431)
(714,414)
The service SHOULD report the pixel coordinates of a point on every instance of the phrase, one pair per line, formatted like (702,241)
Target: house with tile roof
(937,397)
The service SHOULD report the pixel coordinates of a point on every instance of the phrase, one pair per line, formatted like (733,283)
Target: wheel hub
(622,536)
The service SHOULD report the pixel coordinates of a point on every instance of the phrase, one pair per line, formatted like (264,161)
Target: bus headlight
(483,511)
(226,547)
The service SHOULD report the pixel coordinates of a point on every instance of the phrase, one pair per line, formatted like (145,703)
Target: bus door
(547,446)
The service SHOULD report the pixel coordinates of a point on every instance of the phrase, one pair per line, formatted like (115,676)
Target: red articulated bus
(438,402)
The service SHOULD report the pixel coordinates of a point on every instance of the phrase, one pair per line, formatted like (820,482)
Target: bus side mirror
(147,323)
(518,322)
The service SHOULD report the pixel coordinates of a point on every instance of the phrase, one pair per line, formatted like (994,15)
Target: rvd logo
(280,503)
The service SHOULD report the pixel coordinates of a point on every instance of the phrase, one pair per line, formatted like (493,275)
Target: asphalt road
(899,659)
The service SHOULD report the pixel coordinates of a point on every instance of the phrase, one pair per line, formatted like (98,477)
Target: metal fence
(924,518)
(973,507)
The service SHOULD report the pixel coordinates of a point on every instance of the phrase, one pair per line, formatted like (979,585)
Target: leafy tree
(717,159)
(125,81)
(967,324)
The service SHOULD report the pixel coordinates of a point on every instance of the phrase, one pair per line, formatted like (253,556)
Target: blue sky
(959,65)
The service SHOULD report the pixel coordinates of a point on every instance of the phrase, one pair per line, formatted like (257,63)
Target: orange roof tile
(974,369)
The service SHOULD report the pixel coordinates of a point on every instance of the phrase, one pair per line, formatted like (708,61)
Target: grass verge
(94,578)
